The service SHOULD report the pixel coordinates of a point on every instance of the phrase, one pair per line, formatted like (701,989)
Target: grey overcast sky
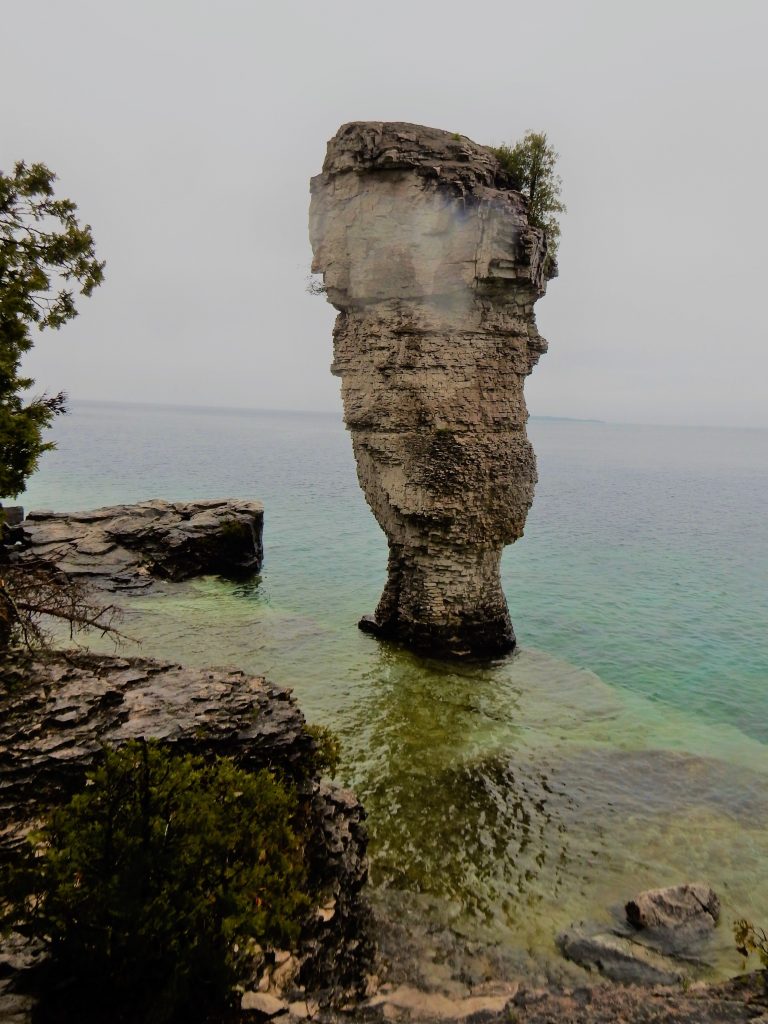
(187,131)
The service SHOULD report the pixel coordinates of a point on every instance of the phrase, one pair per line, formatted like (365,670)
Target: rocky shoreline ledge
(61,709)
(128,547)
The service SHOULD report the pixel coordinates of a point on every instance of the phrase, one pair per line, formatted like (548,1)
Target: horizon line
(187,406)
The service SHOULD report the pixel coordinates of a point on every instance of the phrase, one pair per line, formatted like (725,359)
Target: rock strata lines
(427,253)
(127,547)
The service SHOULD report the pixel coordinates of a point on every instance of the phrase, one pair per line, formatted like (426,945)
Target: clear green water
(622,746)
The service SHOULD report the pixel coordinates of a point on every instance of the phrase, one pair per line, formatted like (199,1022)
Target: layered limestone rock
(427,253)
(127,547)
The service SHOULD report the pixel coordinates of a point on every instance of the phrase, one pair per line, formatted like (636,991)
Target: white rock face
(428,255)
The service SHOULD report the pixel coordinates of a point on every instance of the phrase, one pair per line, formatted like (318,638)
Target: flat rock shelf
(127,547)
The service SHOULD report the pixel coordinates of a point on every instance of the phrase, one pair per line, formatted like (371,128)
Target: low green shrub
(327,754)
(150,884)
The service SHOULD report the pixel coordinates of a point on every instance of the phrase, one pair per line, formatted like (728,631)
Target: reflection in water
(489,841)
(446,815)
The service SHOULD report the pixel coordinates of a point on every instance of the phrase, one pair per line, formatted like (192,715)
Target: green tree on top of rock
(531,164)
(44,252)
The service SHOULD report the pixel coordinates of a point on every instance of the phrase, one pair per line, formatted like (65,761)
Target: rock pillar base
(444,602)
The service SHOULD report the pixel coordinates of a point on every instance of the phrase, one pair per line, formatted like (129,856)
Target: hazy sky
(187,133)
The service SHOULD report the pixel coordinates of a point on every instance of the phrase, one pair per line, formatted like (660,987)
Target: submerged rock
(617,957)
(666,934)
(676,916)
(428,254)
(126,546)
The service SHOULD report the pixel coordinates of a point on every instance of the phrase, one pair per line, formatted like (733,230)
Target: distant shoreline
(338,415)
(571,419)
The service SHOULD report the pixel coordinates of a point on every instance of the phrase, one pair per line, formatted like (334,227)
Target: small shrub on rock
(327,754)
(153,882)
(531,164)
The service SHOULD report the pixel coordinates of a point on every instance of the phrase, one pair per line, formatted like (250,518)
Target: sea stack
(426,251)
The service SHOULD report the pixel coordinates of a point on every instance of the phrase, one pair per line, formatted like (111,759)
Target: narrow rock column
(427,253)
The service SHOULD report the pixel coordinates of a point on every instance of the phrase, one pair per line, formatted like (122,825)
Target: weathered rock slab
(617,957)
(263,1004)
(59,711)
(419,1004)
(689,909)
(127,546)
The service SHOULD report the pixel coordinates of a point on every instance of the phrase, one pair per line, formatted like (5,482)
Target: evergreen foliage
(153,882)
(43,252)
(327,753)
(531,165)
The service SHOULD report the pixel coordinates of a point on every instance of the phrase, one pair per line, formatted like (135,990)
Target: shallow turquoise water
(624,745)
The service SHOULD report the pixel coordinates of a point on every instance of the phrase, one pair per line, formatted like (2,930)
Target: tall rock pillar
(427,253)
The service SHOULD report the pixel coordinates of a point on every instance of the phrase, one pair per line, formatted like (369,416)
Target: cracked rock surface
(427,253)
(58,711)
(691,909)
(127,546)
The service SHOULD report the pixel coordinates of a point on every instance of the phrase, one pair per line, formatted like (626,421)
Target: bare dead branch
(32,592)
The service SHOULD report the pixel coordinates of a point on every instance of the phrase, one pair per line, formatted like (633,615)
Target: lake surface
(625,743)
